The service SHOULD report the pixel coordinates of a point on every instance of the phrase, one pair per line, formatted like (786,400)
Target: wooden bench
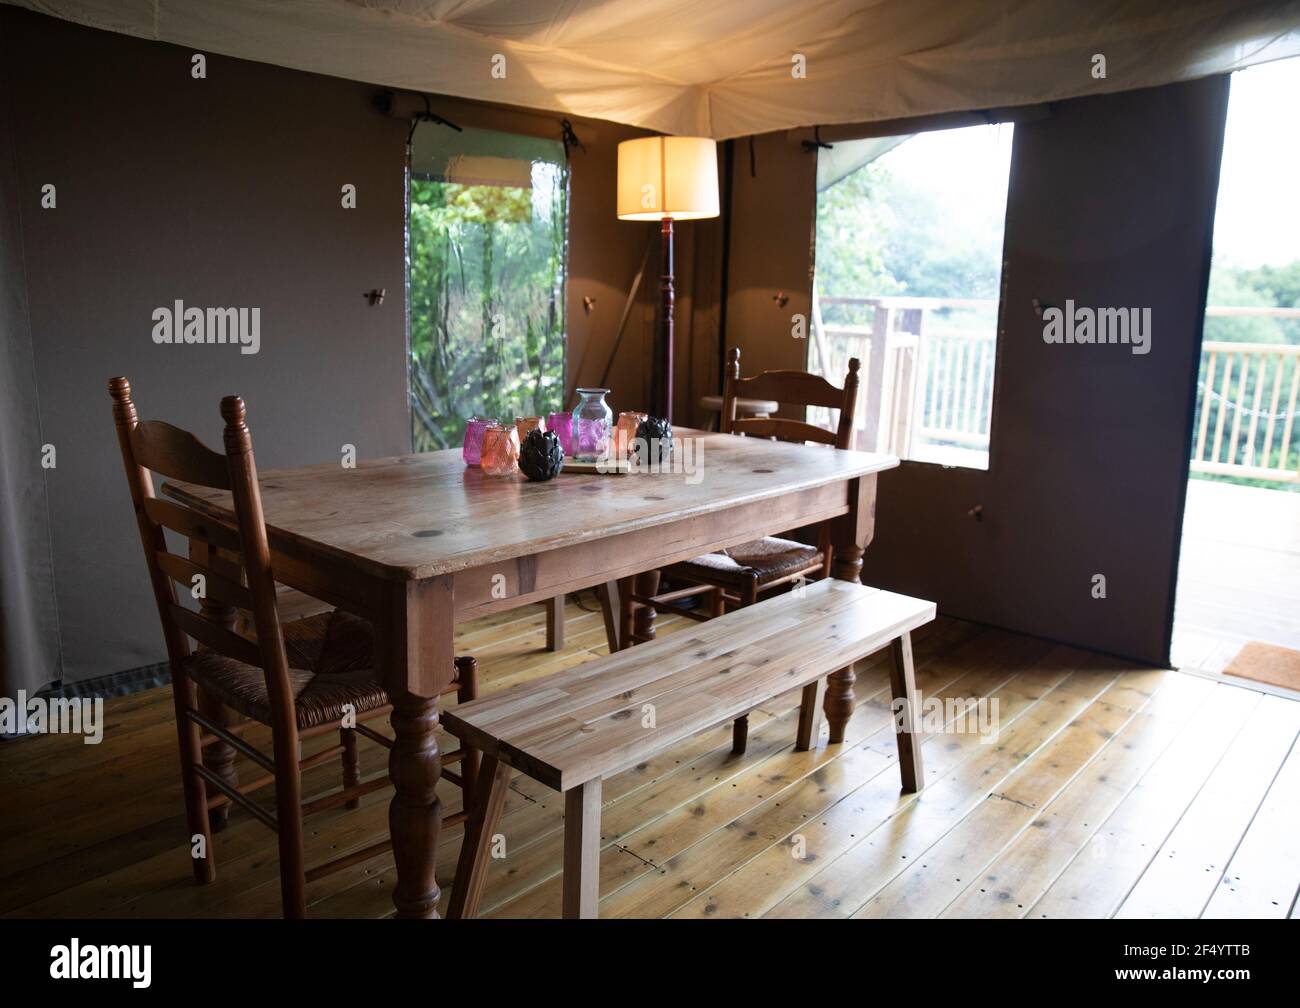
(573,729)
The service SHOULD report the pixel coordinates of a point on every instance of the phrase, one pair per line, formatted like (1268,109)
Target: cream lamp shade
(667,176)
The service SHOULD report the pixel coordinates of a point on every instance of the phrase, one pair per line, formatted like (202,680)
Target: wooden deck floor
(1109,791)
(1239,573)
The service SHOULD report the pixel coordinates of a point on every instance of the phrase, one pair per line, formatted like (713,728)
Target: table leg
(218,756)
(646,584)
(625,606)
(849,537)
(416,652)
(415,813)
(847,566)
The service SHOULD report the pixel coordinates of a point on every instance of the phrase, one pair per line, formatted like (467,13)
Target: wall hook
(375,296)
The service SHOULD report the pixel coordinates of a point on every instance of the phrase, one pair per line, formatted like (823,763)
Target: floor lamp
(667,178)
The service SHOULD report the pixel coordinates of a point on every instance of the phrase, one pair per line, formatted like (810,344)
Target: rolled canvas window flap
(843,158)
(478,156)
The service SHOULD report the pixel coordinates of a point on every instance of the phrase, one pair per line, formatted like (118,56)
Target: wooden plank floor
(1109,791)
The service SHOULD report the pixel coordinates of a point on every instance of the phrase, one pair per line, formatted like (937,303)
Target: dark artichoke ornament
(655,436)
(540,456)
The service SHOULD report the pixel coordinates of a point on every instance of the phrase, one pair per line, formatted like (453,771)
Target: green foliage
(1265,286)
(487,270)
(880,235)
(853,229)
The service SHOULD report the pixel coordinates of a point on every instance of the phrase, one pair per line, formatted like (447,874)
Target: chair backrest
(790,388)
(233,561)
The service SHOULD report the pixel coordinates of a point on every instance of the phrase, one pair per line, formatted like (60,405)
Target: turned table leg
(645,584)
(416,655)
(849,538)
(415,813)
(218,756)
(847,565)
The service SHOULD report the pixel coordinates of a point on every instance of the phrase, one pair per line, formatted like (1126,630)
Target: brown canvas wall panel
(1111,204)
(226,192)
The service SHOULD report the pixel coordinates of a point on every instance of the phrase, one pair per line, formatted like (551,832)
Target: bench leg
(555,623)
(740,735)
(611,609)
(810,715)
(582,850)
(902,678)
(476,847)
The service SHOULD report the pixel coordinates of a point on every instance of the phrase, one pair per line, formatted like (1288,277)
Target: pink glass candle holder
(625,431)
(500,455)
(524,424)
(472,450)
(561,424)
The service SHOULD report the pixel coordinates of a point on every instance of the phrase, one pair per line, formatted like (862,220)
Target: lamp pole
(667,299)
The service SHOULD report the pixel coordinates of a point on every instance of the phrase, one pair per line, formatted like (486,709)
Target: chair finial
(235,436)
(854,364)
(233,411)
(123,408)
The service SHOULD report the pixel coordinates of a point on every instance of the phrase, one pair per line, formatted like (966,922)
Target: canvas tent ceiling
(723,68)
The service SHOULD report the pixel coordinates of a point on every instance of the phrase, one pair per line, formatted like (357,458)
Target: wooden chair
(302,678)
(737,576)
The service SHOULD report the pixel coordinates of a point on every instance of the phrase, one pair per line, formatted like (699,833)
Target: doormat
(1267,663)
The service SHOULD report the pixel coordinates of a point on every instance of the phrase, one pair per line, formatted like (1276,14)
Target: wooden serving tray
(608,467)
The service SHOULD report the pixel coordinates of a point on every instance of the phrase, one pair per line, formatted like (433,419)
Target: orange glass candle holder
(626,430)
(500,455)
(524,424)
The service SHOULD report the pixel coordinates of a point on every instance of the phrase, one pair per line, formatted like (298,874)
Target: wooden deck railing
(928,382)
(1247,420)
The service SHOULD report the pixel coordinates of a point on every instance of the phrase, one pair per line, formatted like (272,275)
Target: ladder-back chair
(302,678)
(735,577)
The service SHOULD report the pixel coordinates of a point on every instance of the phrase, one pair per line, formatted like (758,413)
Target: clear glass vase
(593,425)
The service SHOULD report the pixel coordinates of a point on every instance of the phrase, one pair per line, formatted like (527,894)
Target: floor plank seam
(1156,848)
(1227,864)
(1024,758)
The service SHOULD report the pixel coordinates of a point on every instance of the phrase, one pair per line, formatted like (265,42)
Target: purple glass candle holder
(562,426)
(472,451)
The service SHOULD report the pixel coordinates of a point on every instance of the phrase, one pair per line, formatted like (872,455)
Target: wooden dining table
(418,543)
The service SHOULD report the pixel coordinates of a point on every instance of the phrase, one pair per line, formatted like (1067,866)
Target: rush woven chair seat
(302,678)
(758,563)
(737,576)
(330,673)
